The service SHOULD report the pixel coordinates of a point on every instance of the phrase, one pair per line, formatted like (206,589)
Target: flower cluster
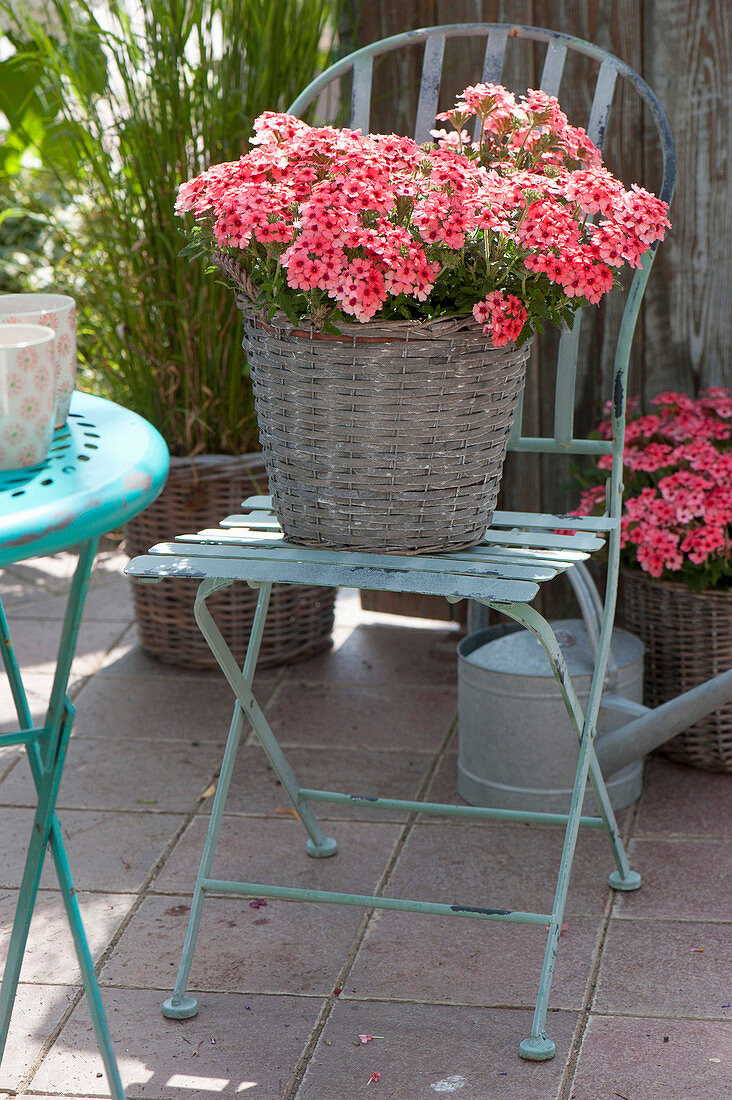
(333,224)
(678,498)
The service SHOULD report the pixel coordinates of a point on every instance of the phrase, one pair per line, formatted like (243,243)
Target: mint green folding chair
(520,551)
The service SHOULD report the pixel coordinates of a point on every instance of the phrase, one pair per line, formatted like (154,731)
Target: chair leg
(538,1047)
(180,1005)
(318,844)
(623,878)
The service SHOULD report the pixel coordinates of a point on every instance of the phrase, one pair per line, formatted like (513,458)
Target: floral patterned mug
(57,311)
(27,394)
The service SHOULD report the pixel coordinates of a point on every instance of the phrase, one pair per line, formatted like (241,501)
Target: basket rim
(639,576)
(396,330)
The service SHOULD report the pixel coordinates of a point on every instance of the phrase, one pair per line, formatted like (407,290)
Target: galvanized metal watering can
(516,745)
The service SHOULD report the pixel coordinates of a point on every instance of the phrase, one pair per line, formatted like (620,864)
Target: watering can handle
(590,604)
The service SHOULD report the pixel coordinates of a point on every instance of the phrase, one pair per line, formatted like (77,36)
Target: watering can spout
(642,735)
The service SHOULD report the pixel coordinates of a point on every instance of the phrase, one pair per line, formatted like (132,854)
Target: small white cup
(57,311)
(27,394)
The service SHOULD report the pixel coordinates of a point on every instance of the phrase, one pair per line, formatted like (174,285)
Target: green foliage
(113,107)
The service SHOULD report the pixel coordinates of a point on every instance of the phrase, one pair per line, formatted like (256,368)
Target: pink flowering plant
(521,227)
(677,508)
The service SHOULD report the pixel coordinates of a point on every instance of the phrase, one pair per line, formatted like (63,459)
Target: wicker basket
(388,437)
(688,639)
(199,493)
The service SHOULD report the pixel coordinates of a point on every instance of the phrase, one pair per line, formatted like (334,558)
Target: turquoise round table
(104,466)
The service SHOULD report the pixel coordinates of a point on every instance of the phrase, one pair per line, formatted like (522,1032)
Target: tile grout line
(375,686)
(298,1074)
(383,999)
(210,675)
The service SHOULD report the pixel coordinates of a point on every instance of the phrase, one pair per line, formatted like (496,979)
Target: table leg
(46,754)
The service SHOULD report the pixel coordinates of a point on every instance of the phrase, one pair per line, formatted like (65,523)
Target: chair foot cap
(537,1050)
(180,1008)
(328,847)
(631,881)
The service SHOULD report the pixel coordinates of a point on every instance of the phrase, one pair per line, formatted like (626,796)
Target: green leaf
(19,76)
(83,52)
(18,212)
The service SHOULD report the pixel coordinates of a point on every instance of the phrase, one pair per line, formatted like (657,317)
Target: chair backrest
(360,65)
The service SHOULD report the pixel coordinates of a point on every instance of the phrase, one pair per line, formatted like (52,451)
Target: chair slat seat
(537,550)
(259,510)
(477,557)
(266,568)
(509,565)
(510,536)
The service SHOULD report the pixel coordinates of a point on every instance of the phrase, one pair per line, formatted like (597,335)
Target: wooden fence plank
(687,45)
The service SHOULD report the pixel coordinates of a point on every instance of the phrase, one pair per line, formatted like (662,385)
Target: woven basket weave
(388,437)
(688,639)
(199,493)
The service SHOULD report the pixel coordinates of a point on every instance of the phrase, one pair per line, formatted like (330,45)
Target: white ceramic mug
(27,394)
(57,311)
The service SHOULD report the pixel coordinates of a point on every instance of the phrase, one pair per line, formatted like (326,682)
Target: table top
(104,466)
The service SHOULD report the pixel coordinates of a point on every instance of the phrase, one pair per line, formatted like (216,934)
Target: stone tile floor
(640,1006)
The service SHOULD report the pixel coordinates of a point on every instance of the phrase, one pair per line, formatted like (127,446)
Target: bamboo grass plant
(145,95)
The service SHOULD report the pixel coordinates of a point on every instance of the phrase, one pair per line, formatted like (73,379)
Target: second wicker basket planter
(389,436)
(199,493)
(688,639)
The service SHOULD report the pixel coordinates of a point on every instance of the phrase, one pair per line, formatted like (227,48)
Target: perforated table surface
(105,465)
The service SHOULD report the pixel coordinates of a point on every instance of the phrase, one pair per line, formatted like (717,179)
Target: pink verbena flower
(490,100)
(454,139)
(703,542)
(594,189)
(334,223)
(504,317)
(677,512)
